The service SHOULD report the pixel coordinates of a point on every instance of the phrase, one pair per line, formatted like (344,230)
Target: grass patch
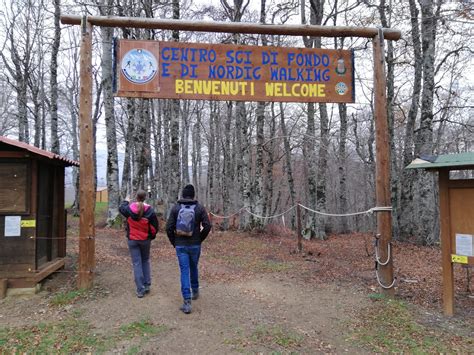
(276,335)
(272,338)
(143,328)
(64,298)
(390,326)
(72,336)
(101,209)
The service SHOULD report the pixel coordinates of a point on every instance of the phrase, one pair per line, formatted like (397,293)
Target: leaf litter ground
(258,295)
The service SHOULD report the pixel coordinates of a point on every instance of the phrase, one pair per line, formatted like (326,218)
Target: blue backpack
(185,221)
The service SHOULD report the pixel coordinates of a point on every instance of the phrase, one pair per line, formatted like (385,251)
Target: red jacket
(142,228)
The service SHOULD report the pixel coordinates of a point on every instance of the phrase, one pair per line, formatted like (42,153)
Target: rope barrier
(389,254)
(378,262)
(224,217)
(369,211)
(381,284)
(268,217)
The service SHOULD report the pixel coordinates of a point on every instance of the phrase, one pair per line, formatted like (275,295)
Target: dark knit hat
(188,191)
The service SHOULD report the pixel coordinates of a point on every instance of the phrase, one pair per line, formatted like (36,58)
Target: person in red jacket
(142,226)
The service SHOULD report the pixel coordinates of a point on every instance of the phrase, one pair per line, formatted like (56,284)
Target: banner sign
(176,70)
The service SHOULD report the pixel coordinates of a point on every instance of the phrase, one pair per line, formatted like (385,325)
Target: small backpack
(185,221)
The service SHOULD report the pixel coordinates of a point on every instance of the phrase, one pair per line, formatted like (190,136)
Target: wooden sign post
(86,172)
(382,183)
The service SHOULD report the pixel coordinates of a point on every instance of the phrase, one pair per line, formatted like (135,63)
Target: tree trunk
(320,230)
(309,155)
(211,163)
(113,188)
(140,139)
(196,153)
(185,142)
(427,227)
(227,166)
(406,215)
(126,188)
(289,170)
(269,180)
(244,164)
(342,155)
(54,77)
(174,173)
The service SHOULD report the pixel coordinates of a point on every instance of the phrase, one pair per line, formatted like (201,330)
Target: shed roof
(17,145)
(452,161)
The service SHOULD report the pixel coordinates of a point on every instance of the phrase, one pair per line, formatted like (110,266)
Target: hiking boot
(140,294)
(147,289)
(195,294)
(186,307)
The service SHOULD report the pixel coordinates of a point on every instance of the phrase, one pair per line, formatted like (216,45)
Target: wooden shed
(456,209)
(32,214)
(102,194)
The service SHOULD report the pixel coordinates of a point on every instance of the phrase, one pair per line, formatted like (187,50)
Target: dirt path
(229,317)
(263,313)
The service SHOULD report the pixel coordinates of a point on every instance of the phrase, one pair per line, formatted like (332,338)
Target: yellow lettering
(188,87)
(225,87)
(215,88)
(269,89)
(294,92)
(243,86)
(197,86)
(278,89)
(178,85)
(207,87)
(234,88)
(321,92)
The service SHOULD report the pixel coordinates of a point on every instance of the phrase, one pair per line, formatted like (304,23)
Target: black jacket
(201,219)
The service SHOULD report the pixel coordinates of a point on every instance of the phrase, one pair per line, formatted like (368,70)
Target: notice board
(461,211)
(178,70)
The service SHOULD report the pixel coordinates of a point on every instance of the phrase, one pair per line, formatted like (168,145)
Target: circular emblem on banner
(139,66)
(341,88)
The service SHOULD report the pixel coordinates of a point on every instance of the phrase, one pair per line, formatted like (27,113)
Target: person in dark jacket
(188,247)
(142,226)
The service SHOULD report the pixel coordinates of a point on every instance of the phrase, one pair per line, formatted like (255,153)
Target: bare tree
(53,80)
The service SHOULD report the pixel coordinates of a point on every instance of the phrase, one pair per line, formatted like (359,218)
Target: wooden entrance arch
(378,35)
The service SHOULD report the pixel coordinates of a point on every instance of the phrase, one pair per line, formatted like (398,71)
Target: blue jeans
(140,253)
(188,259)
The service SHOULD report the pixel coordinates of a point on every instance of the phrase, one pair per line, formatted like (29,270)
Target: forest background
(264,157)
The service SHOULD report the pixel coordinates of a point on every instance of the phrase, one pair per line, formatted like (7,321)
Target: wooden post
(86,176)
(233,27)
(382,170)
(448,276)
(298,226)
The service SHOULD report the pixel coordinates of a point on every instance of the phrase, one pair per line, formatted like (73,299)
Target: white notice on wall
(12,226)
(464,244)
